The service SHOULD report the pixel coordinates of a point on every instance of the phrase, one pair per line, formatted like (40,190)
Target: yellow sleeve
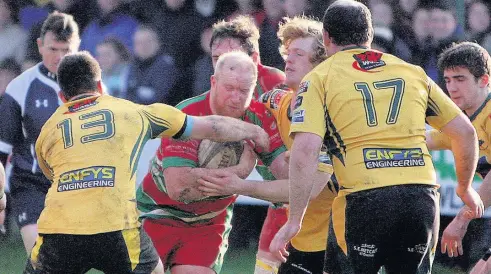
(308,115)
(165,120)
(440,109)
(439,140)
(47,171)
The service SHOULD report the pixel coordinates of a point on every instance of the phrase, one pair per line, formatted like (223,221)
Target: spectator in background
(13,37)
(478,24)
(443,32)
(113,57)
(203,68)
(250,8)
(82,11)
(295,7)
(418,38)
(112,21)
(151,75)
(179,28)
(383,18)
(9,69)
(404,11)
(269,42)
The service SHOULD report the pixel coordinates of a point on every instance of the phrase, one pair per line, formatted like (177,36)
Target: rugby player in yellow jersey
(369,109)
(301,45)
(466,69)
(88,149)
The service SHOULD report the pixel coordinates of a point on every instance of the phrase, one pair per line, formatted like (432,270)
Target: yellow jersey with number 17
(370,109)
(89,149)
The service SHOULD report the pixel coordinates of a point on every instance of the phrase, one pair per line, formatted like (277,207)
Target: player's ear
(325,38)
(484,81)
(213,81)
(100,89)
(62,97)
(39,42)
(255,57)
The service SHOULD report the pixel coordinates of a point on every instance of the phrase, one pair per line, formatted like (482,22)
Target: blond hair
(302,27)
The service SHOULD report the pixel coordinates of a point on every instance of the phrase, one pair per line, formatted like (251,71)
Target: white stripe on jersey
(5,148)
(34,161)
(19,87)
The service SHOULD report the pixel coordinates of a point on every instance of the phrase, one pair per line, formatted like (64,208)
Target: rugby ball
(219,155)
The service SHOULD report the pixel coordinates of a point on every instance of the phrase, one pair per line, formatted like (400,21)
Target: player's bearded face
(231,94)
(297,59)
(462,87)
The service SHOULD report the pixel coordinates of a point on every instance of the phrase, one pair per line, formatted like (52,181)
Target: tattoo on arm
(183,194)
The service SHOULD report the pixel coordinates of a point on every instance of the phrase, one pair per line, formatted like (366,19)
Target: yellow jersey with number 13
(370,109)
(89,149)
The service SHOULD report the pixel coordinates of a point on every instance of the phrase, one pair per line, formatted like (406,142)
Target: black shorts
(27,205)
(395,227)
(118,252)
(302,262)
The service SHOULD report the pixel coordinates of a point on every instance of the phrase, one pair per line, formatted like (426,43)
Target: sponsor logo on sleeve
(85,178)
(368,60)
(392,157)
(303,87)
(298,102)
(298,116)
(276,96)
(264,98)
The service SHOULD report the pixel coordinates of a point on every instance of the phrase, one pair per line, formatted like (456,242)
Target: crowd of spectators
(158,50)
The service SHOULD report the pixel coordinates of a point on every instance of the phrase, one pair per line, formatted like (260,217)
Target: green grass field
(237,261)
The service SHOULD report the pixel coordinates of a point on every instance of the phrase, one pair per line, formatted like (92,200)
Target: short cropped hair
(348,23)
(235,60)
(62,25)
(78,73)
(302,27)
(241,28)
(467,55)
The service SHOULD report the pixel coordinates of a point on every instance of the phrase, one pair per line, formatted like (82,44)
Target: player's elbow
(174,191)
(460,129)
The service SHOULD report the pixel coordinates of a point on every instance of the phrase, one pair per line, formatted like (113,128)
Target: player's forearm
(303,165)
(465,151)
(221,129)
(274,191)
(279,167)
(240,170)
(464,145)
